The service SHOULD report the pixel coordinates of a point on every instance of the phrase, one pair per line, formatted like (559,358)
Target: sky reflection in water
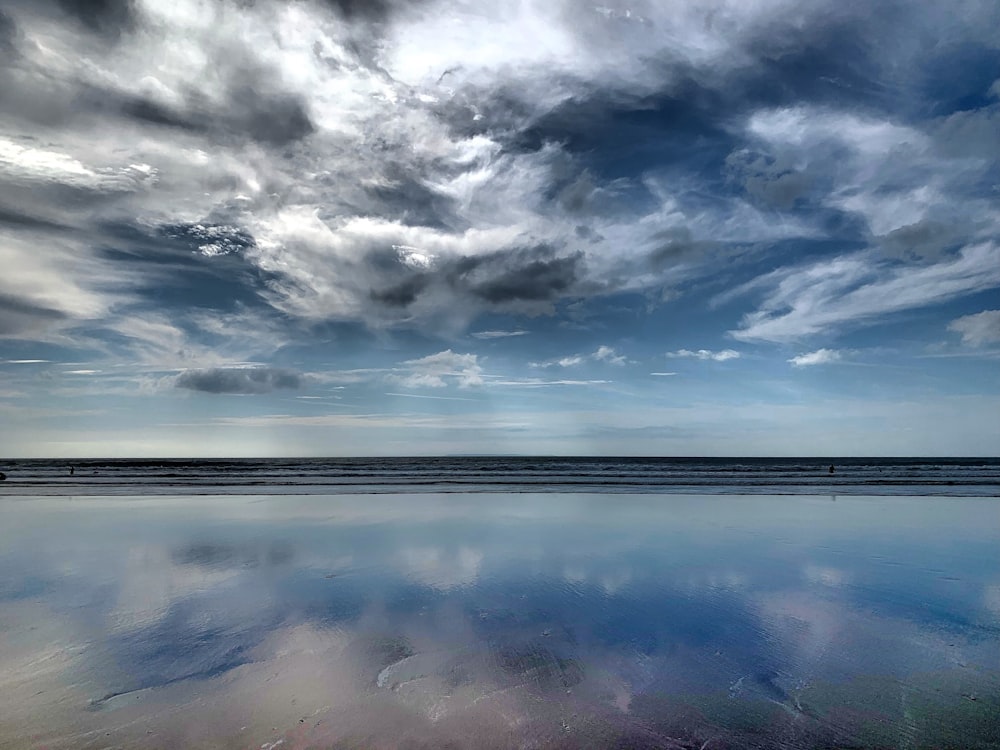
(500,621)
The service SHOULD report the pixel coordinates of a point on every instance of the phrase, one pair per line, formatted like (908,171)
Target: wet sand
(499,621)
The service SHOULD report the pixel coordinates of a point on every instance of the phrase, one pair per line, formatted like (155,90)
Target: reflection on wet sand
(500,621)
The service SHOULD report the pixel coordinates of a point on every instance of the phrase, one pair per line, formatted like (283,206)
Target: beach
(427,618)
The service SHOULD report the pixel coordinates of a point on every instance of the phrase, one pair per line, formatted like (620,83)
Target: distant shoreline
(819,475)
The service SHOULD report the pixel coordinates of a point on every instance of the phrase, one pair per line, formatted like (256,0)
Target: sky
(406,227)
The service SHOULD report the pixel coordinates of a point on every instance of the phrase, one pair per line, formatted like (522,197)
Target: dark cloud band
(254,380)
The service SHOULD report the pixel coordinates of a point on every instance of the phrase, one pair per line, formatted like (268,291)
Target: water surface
(499,620)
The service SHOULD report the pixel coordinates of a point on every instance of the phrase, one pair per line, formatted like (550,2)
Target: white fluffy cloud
(609,355)
(438,370)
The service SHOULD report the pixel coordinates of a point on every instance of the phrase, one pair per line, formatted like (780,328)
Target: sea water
(499,620)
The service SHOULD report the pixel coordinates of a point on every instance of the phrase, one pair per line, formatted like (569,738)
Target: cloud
(20,317)
(210,239)
(979,328)
(250,380)
(706,354)
(771,181)
(441,369)
(818,357)
(110,17)
(27,165)
(375,163)
(539,383)
(323,136)
(433,398)
(609,355)
(498,334)
(860,289)
(603,353)
(8,35)
(528,275)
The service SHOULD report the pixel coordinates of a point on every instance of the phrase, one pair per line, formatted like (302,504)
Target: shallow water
(499,620)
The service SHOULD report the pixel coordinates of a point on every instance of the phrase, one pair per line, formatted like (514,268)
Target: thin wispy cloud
(860,289)
(603,353)
(498,334)
(818,357)
(723,355)
(541,383)
(433,398)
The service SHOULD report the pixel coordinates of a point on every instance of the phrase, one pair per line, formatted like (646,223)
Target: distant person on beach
(71,470)
(831,468)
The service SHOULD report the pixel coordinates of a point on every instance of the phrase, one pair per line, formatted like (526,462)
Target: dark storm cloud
(527,275)
(110,17)
(254,380)
(403,195)
(249,110)
(148,111)
(19,220)
(402,294)
(274,118)
(8,36)
(20,317)
(371,10)
(524,276)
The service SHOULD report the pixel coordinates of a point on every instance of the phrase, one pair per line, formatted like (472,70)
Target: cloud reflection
(488,621)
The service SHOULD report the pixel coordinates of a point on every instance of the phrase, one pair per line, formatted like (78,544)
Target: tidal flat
(497,620)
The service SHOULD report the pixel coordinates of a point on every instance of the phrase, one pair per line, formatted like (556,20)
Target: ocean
(794,476)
